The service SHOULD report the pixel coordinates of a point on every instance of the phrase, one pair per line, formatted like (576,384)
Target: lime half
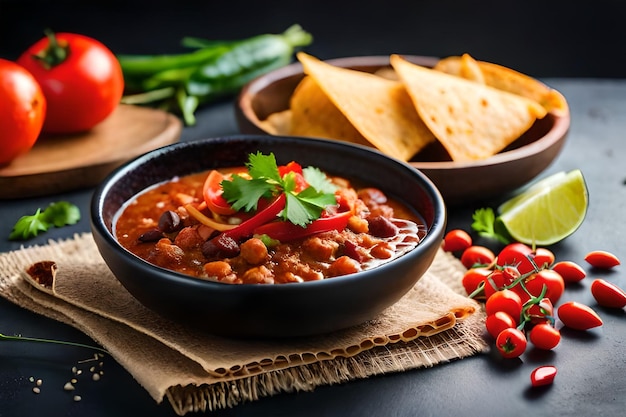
(548,211)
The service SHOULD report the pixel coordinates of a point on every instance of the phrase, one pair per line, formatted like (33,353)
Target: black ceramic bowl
(280,310)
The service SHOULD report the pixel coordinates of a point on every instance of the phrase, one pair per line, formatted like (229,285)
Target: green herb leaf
(29,226)
(61,214)
(300,207)
(263,167)
(244,193)
(57,214)
(318,180)
(484,222)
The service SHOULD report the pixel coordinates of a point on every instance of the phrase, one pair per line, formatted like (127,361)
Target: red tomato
(546,277)
(473,277)
(477,256)
(570,271)
(602,259)
(544,336)
(22,111)
(608,294)
(212,193)
(292,166)
(456,240)
(543,257)
(511,342)
(578,316)
(541,312)
(543,375)
(499,279)
(80,77)
(497,322)
(517,254)
(507,301)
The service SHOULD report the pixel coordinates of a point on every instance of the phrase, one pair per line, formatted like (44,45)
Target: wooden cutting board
(67,162)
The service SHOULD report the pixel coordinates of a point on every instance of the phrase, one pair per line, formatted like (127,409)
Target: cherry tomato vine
(521,288)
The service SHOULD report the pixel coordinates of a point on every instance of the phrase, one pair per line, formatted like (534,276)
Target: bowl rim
(435,231)
(558,131)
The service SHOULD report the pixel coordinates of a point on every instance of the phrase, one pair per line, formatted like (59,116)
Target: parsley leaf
(29,226)
(318,180)
(485,223)
(245,193)
(263,166)
(61,213)
(57,214)
(265,180)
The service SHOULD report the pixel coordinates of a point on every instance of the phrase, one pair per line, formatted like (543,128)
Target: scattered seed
(92,369)
(73,380)
(77,398)
(39,382)
(95,377)
(68,386)
(36,390)
(31,379)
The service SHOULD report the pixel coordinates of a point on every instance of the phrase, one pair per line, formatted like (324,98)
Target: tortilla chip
(470,70)
(505,79)
(380,109)
(472,121)
(278,123)
(314,115)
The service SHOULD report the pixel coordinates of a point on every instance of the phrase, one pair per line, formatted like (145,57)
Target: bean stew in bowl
(257,236)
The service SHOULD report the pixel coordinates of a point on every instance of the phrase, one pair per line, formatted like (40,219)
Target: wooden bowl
(458,182)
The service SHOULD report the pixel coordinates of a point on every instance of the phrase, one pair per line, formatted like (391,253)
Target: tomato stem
(54,54)
(39,340)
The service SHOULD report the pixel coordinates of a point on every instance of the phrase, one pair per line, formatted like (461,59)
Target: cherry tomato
(456,240)
(544,336)
(473,277)
(81,79)
(543,257)
(570,271)
(608,294)
(477,256)
(511,342)
(541,312)
(494,282)
(578,316)
(22,111)
(602,259)
(512,279)
(517,254)
(543,375)
(497,322)
(507,301)
(549,278)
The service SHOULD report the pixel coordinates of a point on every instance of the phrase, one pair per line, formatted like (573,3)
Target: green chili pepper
(181,82)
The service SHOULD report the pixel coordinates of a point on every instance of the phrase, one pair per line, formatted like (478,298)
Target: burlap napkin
(433,323)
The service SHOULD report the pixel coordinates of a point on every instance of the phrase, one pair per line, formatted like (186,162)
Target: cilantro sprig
(265,181)
(57,214)
(486,224)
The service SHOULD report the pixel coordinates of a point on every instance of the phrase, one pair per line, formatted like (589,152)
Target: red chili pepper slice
(543,375)
(263,216)
(286,231)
